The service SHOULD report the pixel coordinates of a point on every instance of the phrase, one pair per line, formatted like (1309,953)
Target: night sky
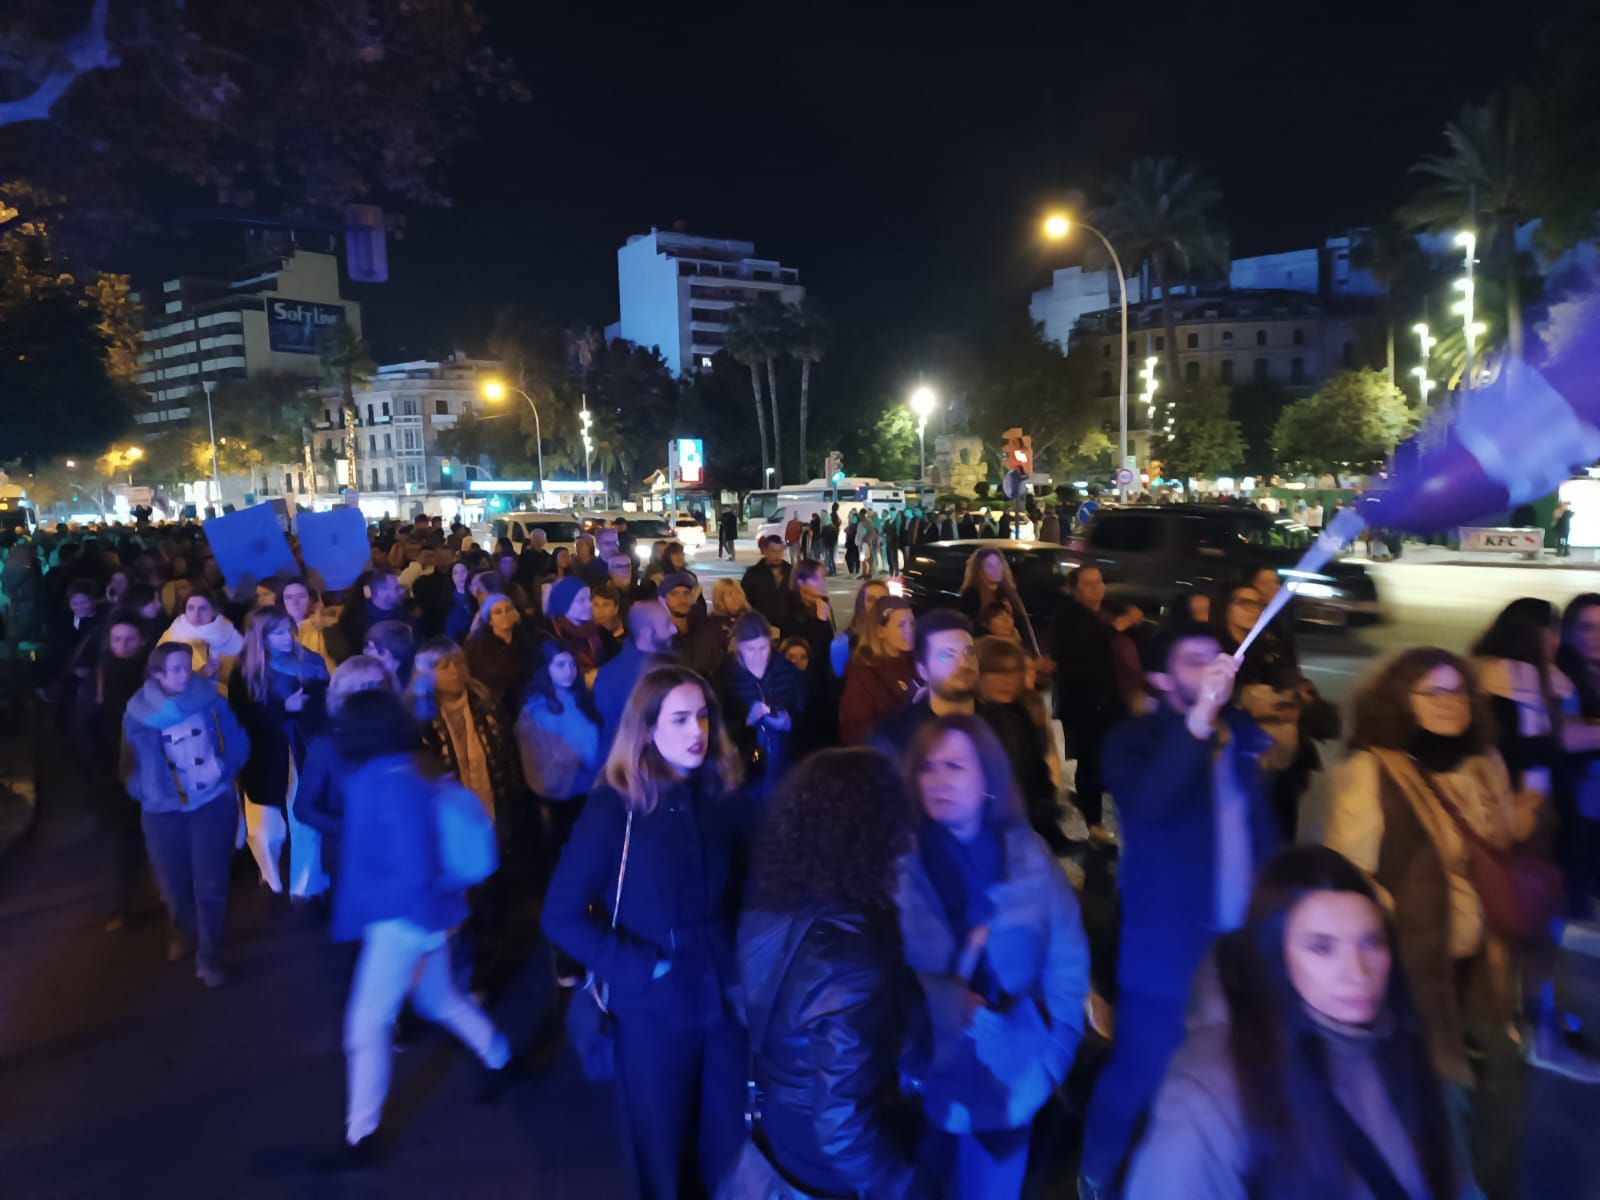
(899,155)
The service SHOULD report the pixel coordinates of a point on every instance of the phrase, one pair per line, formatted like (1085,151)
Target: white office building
(264,316)
(676,291)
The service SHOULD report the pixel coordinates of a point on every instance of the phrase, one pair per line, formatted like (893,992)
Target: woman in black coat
(766,704)
(828,995)
(809,615)
(663,951)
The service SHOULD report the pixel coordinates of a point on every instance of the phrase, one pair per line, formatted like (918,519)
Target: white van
(560,529)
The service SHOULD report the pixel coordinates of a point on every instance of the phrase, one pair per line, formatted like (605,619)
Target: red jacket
(874,689)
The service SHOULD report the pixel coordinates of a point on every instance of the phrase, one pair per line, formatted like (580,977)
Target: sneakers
(211,976)
(179,946)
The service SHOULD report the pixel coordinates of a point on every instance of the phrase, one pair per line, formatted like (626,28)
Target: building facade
(264,316)
(676,292)
(1324,271)
(399,414)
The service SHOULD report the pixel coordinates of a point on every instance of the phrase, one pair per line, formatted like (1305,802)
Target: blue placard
(334,544)
(249,546)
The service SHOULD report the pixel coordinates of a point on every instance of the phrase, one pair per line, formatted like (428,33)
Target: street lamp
(588,442)
(495,390)
(1426,342)
(1056,227)
(1470,328)
(922,403)
(133,455)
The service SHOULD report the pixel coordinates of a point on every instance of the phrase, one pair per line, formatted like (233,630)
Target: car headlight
(1316,591)
(641,552)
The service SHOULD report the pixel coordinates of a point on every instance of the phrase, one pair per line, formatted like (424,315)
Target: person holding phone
(279,694)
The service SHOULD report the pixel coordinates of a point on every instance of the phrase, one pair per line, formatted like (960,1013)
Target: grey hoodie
(180,752)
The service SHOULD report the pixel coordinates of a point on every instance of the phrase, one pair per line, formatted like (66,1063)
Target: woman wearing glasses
(1422,779)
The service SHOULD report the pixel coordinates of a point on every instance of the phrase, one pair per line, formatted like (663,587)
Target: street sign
(691,460)
(1124,477)
(1130,462)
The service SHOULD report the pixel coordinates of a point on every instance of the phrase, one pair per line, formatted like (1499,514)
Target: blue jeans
(191,852)
(1149,1030)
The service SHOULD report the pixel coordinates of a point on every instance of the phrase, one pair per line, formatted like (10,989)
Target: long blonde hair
(255,659)
(728,598)
(635,767)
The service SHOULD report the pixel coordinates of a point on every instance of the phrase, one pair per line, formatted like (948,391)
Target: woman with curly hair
(657,933)
(1424,781)
(827,991)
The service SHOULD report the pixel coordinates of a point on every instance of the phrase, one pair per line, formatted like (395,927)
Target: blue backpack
(468,852)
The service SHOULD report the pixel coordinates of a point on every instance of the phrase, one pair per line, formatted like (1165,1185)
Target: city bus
(761,508)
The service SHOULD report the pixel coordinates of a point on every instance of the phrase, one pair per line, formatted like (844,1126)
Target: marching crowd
(816,893)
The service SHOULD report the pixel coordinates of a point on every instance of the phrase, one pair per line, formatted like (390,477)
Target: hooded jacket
(181,752)
(218,641)
(827,995)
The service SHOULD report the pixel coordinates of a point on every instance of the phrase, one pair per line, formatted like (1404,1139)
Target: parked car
(933,573)
(690,533)
(1146,552)
(560,529)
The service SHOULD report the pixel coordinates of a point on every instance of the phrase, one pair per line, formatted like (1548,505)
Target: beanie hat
(563,594)
(678,579)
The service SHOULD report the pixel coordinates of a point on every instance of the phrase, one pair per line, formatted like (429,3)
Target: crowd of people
(816,892)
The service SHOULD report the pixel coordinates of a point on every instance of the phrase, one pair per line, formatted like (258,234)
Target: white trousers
(266,829)
(401,959)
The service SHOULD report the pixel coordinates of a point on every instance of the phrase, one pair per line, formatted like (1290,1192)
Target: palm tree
(809,334)
(1487,177)
(1391,256)
(772,319)
(746,342)
(1163,212)
(345,360)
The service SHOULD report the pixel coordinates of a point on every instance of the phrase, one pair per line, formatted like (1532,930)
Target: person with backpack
(412,846)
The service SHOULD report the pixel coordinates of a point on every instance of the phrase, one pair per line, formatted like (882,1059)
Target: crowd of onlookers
(836,902)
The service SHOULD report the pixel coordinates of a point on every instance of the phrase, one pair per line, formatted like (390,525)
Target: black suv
(1148,552)
(933,573)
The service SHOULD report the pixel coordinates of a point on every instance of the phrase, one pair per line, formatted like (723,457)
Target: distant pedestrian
(727,530)
(185,750)
(1314,516)
(1561,529)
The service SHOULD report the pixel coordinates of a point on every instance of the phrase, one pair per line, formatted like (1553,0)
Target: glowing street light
(923,402)
(1057,226)
(495,390)
(1426,341)
(1470,329)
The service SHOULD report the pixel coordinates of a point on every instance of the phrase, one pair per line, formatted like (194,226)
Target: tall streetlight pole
(1056,227)
(1470,327)
(495,390)
(922,403)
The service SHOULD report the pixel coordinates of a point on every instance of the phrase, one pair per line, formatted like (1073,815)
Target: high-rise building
(676,291)
(264,316)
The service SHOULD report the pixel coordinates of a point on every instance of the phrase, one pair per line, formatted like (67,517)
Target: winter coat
(503,667)
(181,752)
(700,647)
(1198,1140)
(458,616)
(997,1074)
(1386,820)
(614,684)
(1530,735)
(219,640)
(1087,693)
(389,865)
(319,798)
(499,748)
(679,901)
(1164,779)
(827,997)
(767,751)
(767,594)
(560,751)
(100,705)
(277,735)
(874,689)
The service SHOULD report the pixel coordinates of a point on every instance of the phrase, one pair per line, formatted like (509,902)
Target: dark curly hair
(833,831)
(1382,718)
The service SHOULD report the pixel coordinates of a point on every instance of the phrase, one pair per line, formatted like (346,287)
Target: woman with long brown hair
(882,676)
(278,694)
(988,580)
(1423,785)
(646,897)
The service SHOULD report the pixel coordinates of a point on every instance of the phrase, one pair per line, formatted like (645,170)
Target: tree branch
(80,54)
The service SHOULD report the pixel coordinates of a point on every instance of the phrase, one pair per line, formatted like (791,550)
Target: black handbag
(591,1027)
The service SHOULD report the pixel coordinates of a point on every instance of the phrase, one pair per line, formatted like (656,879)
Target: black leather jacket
(827,997)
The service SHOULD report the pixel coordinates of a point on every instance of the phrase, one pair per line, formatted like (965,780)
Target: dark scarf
(962,874)
(1438,753)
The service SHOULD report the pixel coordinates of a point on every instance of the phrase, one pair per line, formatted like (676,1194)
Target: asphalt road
(121,1076)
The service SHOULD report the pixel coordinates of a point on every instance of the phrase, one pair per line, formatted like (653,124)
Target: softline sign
(293,325)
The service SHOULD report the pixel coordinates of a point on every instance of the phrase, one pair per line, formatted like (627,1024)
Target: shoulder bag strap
(1447,802)
(1365,1158)
(622,868)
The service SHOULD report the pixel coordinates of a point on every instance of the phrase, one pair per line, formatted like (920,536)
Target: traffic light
(446,469)
(1016,451)
(835,468)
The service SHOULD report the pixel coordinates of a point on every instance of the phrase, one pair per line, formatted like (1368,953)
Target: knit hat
(563,593)
(678,579)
